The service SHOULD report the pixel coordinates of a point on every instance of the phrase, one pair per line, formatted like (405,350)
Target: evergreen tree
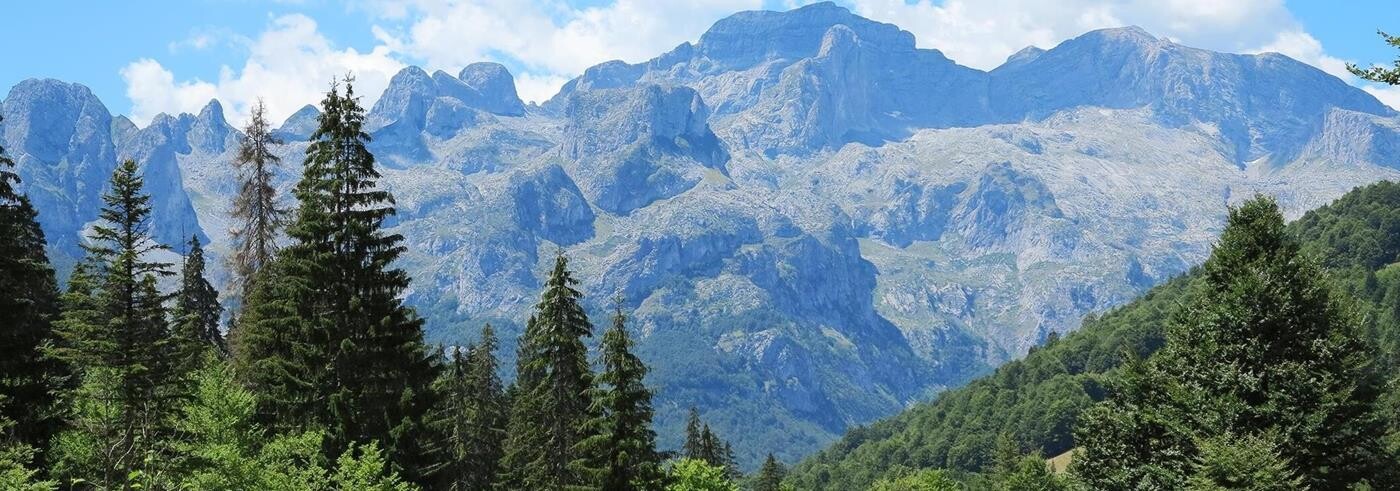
(694,446)
(255,207)
(1264,348)
(770,476)
(471,418)
(551,405)
(197,311)
(698,475)
(622,446)
(1390,76)
(28,308)
(117,332)
(326,340)
(522,459)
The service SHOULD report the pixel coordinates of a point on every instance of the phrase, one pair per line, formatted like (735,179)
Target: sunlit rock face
(813,221)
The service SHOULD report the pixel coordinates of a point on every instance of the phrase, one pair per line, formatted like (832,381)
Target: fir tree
(694,446)
(197,311)
(621,449)
(117,331)
(255,207)
(1263,349)
(28,308)
(551,406)
(471,419)
(326,339)
(770,476)
(1389,76)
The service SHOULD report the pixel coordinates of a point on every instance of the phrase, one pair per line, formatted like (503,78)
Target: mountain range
(814,222)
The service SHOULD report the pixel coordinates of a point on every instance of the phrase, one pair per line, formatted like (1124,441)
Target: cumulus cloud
(982,33)
(547,42)
(552,41)
(288,66)
(1389,95)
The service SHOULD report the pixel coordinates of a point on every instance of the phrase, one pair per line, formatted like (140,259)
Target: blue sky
(142,58)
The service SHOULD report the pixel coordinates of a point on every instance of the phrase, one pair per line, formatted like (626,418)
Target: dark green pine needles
(116,337)
(1263,365)
(197,311)
(551,406)
(469,423)
(325,341)
(28,307)
(621,446)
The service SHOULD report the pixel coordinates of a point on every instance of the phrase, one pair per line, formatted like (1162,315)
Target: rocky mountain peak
(495,88)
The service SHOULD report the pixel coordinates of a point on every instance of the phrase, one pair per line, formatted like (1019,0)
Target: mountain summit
(813,222)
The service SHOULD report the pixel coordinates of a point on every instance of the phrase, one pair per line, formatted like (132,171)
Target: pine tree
(1263,349)
(694,447)
(255,207)
(117,329)
(28,308)
(197,311)
(522,458)
(621,449)
(325,339)
(770,476)
(471,418)
(553,388)
(1389,76)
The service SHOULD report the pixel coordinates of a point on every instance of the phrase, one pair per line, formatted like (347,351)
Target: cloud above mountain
(547,42)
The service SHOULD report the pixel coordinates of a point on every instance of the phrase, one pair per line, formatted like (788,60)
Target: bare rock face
(813,221)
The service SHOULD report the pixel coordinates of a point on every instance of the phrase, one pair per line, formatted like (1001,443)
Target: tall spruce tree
(770,476)
(117,330)
(28,308)
(694,446)
(470,421)
(255,207)
(522,457)
(326,339)
(1263,350)
(621,448)
(553,389)
(197,311)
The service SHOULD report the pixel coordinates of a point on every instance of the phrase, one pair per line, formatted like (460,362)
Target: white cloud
(552,41)
(1301,46)
(288,66)
(982,33)
(1388,94)
(547,42)
(153,90)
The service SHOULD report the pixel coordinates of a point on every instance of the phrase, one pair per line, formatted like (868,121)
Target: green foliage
(1039,399)
(1244,463)
(222,447)
(1035,401)
(469,422)
(116,337)
(925,480)
(551,404)
(698,475)
(197,311)
(255,210)
(325,340)
(770,475)
(1263,347)
(621,445)
(1380,74)
(16,458)
(28,308)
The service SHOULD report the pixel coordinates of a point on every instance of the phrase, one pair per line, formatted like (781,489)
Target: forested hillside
(324,380)
(1035,403)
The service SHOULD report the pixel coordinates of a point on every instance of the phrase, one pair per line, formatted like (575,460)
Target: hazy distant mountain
(815,222)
